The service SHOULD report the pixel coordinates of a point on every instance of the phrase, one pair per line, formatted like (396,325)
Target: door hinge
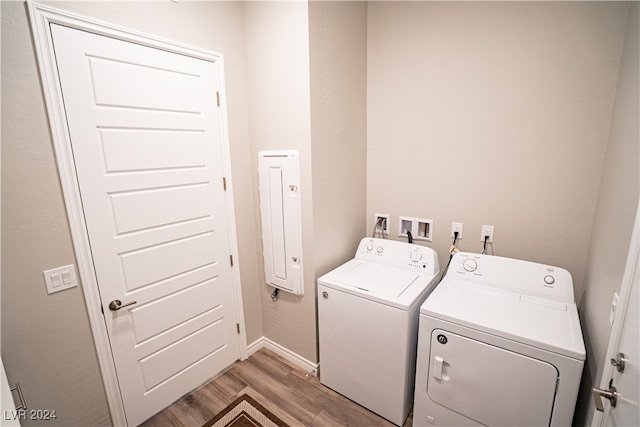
(238,327)
(231,260)
(224,183)
(218,98)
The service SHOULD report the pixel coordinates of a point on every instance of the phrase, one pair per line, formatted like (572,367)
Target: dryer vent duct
(279,175)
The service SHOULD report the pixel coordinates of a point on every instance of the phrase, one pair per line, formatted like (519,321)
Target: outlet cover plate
(487,230)
(456,226)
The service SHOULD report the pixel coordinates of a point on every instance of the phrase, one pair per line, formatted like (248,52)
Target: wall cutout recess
(424,229)
(380,224)
(405,224)
(280,212)
(421,229)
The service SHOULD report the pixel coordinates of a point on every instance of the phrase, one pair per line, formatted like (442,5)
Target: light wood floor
(277,384)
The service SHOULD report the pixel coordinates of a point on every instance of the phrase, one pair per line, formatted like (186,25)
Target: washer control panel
(519,276)
(398,254)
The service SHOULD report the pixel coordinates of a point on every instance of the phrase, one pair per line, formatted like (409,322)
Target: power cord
(484,246)
(409,237)
(452,251)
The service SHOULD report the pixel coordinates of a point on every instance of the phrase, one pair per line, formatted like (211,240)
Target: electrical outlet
(456,226)
(381,223)
(487,230)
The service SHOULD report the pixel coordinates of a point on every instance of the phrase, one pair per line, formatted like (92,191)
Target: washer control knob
(369,247)
(379,249)
(470,265)
(415,256)
(549,280)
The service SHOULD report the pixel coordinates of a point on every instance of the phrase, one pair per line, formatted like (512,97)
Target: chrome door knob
(116,304)
(618,362)
(610,394)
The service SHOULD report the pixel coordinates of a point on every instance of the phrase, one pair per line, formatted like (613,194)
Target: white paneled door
(147,137)
(617,397)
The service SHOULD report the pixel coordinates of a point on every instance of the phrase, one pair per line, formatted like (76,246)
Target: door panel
(161,314)
(147,149)
(147,144)
(141,209)
(488,384)
(168,361)
(627,382)
(149,265)
(149,84)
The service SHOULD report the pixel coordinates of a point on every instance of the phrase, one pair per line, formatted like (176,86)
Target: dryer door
(488,384)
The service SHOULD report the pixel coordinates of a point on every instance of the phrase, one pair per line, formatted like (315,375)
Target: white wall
(307,91)
(615,213)
(278,87)
(493,113)
(338,66)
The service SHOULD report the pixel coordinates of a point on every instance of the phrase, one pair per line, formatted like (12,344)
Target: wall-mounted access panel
(280,211)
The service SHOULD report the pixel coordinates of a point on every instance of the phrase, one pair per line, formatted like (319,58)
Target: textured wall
(493,113)
(613,223)
(46,340)
(338,59)
(277,46)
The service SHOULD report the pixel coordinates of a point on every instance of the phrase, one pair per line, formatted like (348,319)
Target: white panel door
(627,382)
(147,140)
(624,345)
(488,384)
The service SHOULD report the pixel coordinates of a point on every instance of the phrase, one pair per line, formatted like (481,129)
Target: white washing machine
(500,344)
(368,312)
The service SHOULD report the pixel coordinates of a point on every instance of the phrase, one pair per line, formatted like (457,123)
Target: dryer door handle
(437,367)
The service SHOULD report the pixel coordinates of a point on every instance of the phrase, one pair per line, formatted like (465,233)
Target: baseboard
(284,352)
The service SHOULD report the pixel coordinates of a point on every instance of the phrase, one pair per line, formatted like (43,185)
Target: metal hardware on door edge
(610,394)
(618,362)
(325,295)
(23,403)
(116,304)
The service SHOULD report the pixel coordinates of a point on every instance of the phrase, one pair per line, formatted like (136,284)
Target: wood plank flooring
(280,386)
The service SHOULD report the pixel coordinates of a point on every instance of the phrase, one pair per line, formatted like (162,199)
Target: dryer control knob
(470,265)
(549,280)
(415,256)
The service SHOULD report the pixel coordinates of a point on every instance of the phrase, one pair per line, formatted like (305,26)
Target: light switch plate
(61,278)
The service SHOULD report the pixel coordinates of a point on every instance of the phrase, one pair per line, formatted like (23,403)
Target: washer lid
(382,280)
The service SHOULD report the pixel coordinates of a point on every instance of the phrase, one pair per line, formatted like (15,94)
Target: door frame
(618,322)
(41,16)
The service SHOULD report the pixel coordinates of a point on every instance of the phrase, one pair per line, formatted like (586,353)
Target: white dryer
(368,311)
(500,344)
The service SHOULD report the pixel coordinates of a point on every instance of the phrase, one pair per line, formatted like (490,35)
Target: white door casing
(625,337)
(145,209)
